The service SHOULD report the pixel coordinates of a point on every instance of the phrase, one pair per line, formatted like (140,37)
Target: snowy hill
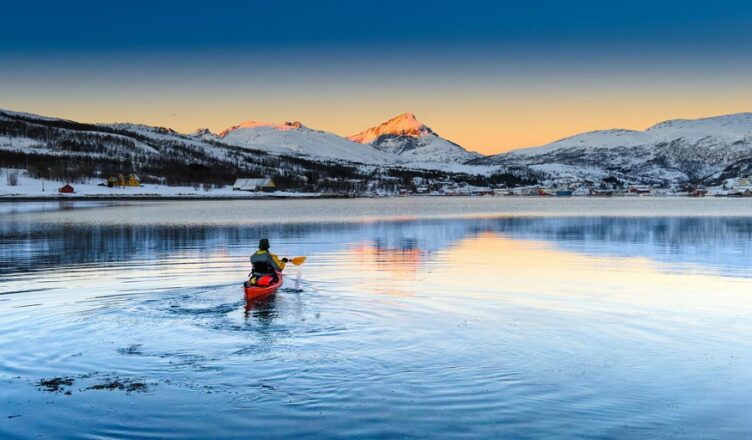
(677,151)
(66,150)
(37,149)
(669,152)
(295,139)
(405,136)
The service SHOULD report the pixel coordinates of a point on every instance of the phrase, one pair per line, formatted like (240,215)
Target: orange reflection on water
(491,264)
(402,262)
(384,270)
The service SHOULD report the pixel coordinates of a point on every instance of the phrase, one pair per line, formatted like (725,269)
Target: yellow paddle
(297,260)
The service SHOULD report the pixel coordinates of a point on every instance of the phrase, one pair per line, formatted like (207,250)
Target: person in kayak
(265,265)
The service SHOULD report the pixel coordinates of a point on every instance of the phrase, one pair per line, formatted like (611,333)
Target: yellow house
(133,180)
(120,180)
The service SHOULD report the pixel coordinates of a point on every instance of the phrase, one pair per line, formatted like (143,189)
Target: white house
(262,184)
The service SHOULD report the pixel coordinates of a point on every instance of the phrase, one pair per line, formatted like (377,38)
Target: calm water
(415,318)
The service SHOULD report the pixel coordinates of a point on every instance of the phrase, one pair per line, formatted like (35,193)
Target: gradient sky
(490,75)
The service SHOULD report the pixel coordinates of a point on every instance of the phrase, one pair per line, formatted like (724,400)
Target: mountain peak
(201,132)
(405,136)
(405,124)
(204,134)
(256,124)
(406,119)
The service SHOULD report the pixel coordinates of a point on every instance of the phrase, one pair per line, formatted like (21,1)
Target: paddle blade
(297,260)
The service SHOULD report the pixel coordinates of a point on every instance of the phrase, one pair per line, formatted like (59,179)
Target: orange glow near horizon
(487,124)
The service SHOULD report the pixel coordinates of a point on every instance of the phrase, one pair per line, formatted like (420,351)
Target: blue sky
(96,26)
(159,62)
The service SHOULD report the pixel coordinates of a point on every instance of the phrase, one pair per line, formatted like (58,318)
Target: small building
(133,180)
(640,189)
(523,191)
(259,184)
(121,180)
(66,189)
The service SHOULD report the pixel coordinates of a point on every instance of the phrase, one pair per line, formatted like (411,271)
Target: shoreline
(99,198)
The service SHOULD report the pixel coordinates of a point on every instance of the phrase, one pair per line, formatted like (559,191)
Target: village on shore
(569,187)
(18,185)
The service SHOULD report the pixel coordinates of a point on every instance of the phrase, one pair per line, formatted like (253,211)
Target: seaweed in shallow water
(121,385)
(133,350)
(56,384)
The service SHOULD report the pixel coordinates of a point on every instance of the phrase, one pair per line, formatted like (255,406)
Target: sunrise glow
(489,84)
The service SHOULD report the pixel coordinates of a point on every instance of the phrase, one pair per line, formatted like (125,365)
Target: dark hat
(264,244)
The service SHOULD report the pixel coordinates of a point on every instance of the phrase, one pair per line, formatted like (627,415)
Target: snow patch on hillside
(428,148)
(20,143)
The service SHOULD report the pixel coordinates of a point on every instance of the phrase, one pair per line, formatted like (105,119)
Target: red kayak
(253,292)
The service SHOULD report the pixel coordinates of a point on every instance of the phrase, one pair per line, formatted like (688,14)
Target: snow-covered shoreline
(28,188)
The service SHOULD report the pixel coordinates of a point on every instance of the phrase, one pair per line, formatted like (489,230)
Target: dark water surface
(416,318)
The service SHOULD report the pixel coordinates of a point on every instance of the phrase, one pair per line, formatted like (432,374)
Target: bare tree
(12,178)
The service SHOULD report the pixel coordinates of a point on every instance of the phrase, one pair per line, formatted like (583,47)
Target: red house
(67,189)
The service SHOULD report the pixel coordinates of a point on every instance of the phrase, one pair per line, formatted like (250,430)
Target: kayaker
(265,263)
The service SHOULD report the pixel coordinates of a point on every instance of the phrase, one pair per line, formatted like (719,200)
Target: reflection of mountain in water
(721,243)
(25,247)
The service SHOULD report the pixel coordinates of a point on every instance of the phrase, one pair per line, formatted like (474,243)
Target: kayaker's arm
(279,264)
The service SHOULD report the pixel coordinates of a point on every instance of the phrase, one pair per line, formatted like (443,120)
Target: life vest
(262,263)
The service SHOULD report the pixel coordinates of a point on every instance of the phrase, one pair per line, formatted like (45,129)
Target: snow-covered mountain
(673,151)
(60,149)
(296,156)
(699,151)
(399,144)
(405,136)
(295,139)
